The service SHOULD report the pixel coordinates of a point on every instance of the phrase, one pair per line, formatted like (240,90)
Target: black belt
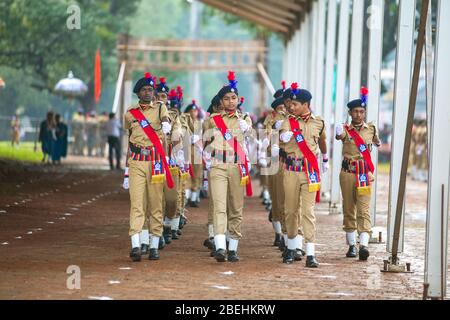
(139,150)
(222,155)
(348,166)
(296,162)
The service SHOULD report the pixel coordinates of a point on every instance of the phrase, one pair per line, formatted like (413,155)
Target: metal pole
(407,144)
(328,92)
(356,49)
(403,66)
(319,86)
(340,98)
(374,83)
(438,182)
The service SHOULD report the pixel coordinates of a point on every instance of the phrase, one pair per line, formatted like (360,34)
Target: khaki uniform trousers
(276,190)
(146,199)
(299,206)
(172,196)
(355,206)
(196,181)
(227,196)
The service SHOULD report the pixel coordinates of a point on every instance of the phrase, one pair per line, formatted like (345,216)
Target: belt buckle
(145,152)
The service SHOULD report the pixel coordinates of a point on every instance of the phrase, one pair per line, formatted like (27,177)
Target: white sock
(135,243)
(167,222)
(310,249)
(266,195)
(220,241)
(300,242)
(285,238)
(155,242)
(188,193)
(175,223)
(276,226)
(210,230)
(364,239)
(233,245)
(144,237)
(351,238)
(291,244)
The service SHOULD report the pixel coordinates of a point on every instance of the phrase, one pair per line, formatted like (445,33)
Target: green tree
(34,39)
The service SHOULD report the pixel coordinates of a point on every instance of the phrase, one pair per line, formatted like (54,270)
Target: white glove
(249,164)
(275,151)
(180,157)
(278,124)
(339,130)
(265,143)
(195,138)
(166,127)
(286,136)
(205,185)
(325,163)
(243,125)
(263,162)
(126,184)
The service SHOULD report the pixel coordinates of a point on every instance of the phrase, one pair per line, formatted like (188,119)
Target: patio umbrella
(71,86)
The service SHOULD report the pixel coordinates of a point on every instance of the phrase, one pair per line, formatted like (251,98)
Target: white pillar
(312,69)
(328,92)
(356,49)
(319,85)
(438,182)
(403,73)
(285,62)
(302,54)
(344,20)
(299,53)
(374,83)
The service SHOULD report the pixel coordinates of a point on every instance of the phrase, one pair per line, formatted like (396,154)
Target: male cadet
(272,125)
(175,155)
(147,167)
(356,175)
(78,124)
(196,154)
(302,134)
(229,170)
(214,108)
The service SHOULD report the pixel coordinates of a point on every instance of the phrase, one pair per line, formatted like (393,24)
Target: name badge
(144,123)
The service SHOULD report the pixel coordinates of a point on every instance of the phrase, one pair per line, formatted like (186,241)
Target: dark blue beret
(278,93)
(145,81)
(302,95)
(225,90)
(191,106)
(287,94)
(357,103)
(162,88)
(277,102)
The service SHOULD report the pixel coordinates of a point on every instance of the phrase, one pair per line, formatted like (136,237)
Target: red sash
(311,164)
(232,142)
(151,134)
(361,147)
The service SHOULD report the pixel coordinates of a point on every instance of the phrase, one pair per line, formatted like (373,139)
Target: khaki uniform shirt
(368,133)
(312,130)
(154,114)
(232,122)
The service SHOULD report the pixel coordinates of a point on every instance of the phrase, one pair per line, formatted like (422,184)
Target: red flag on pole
(97,78)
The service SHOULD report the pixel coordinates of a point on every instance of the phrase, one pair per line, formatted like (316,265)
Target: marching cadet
(421,151)
(229,170)
(147,167)
(78,125)
(302,134)
(196,153)
(272,124)
(357,174)
(92,133)
(214,108)
(175,154)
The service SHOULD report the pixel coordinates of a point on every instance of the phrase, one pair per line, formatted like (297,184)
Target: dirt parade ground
(52,218)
